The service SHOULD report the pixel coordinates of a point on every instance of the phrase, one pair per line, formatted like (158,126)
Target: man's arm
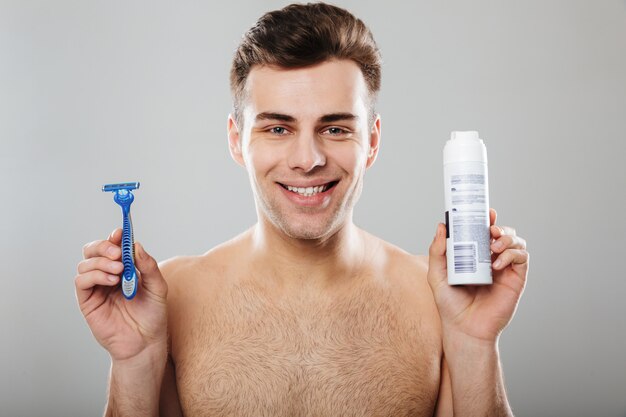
(145,385)
(134,333)
(473,317)
(471,380)
(135,383)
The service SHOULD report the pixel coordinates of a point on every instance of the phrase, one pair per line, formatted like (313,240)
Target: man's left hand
(480,312)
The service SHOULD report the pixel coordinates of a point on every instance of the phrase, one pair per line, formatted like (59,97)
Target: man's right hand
(125,328)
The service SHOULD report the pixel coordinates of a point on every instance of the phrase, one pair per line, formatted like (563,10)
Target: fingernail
(112,278)
(497,263)
(112,251)
(498,245)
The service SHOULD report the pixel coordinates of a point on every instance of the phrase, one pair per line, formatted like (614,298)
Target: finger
(511,257)
(116,236)
(506,242)
(99,263)
(437,262)
(497,231)
(493,215)
(85,283)
(102,248)
(152,279)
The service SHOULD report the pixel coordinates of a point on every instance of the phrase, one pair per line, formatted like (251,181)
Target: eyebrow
(274,116)
(335,117)
(327,118)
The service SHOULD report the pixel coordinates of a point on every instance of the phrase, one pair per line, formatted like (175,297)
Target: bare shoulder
(400,262)
(173,267)
(200,274)
(408,273)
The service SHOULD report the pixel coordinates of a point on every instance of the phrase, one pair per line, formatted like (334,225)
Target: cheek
(349,157)
(260,157)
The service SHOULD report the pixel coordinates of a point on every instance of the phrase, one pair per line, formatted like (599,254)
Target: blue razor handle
(124,197)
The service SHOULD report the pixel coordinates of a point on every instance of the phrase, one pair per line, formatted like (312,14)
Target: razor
(124,197)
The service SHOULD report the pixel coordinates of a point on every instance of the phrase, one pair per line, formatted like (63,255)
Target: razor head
(121,186)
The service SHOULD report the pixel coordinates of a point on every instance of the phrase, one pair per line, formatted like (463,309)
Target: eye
(278,130)
(336,131)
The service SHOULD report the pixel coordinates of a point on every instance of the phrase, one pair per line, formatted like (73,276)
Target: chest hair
(255,355)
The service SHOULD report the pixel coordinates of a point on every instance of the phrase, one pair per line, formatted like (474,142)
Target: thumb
(151,277)
(437,261)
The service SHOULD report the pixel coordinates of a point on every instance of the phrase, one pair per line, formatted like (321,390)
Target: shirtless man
(303,314)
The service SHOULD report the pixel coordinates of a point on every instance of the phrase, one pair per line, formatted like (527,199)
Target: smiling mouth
(309,191)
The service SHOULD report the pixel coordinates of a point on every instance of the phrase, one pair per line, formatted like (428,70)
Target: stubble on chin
(299,228)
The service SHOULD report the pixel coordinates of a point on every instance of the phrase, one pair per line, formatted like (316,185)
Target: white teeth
(308,191)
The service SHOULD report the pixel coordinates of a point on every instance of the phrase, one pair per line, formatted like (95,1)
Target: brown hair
(300,35)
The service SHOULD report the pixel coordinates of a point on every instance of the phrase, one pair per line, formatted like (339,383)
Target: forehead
(331,86)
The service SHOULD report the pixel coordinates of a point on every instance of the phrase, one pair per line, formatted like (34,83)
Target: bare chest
(353,356)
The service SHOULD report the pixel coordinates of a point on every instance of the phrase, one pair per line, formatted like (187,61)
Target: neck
(324,261)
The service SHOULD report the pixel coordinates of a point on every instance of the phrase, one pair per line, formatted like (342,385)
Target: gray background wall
(94,92)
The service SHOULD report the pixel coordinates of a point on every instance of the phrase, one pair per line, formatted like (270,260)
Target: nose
(306,153)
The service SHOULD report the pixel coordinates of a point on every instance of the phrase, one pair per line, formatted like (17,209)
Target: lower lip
(311,201)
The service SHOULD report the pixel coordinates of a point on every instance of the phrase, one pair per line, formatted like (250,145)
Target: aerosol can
(468,238)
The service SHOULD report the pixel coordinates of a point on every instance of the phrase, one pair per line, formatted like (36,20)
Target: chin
(304,230)
(306,234)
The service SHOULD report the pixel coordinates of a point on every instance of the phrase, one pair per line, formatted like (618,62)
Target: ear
(234,141)
(374,143)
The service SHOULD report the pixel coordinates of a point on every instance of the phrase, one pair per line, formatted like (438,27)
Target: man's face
(306,144)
